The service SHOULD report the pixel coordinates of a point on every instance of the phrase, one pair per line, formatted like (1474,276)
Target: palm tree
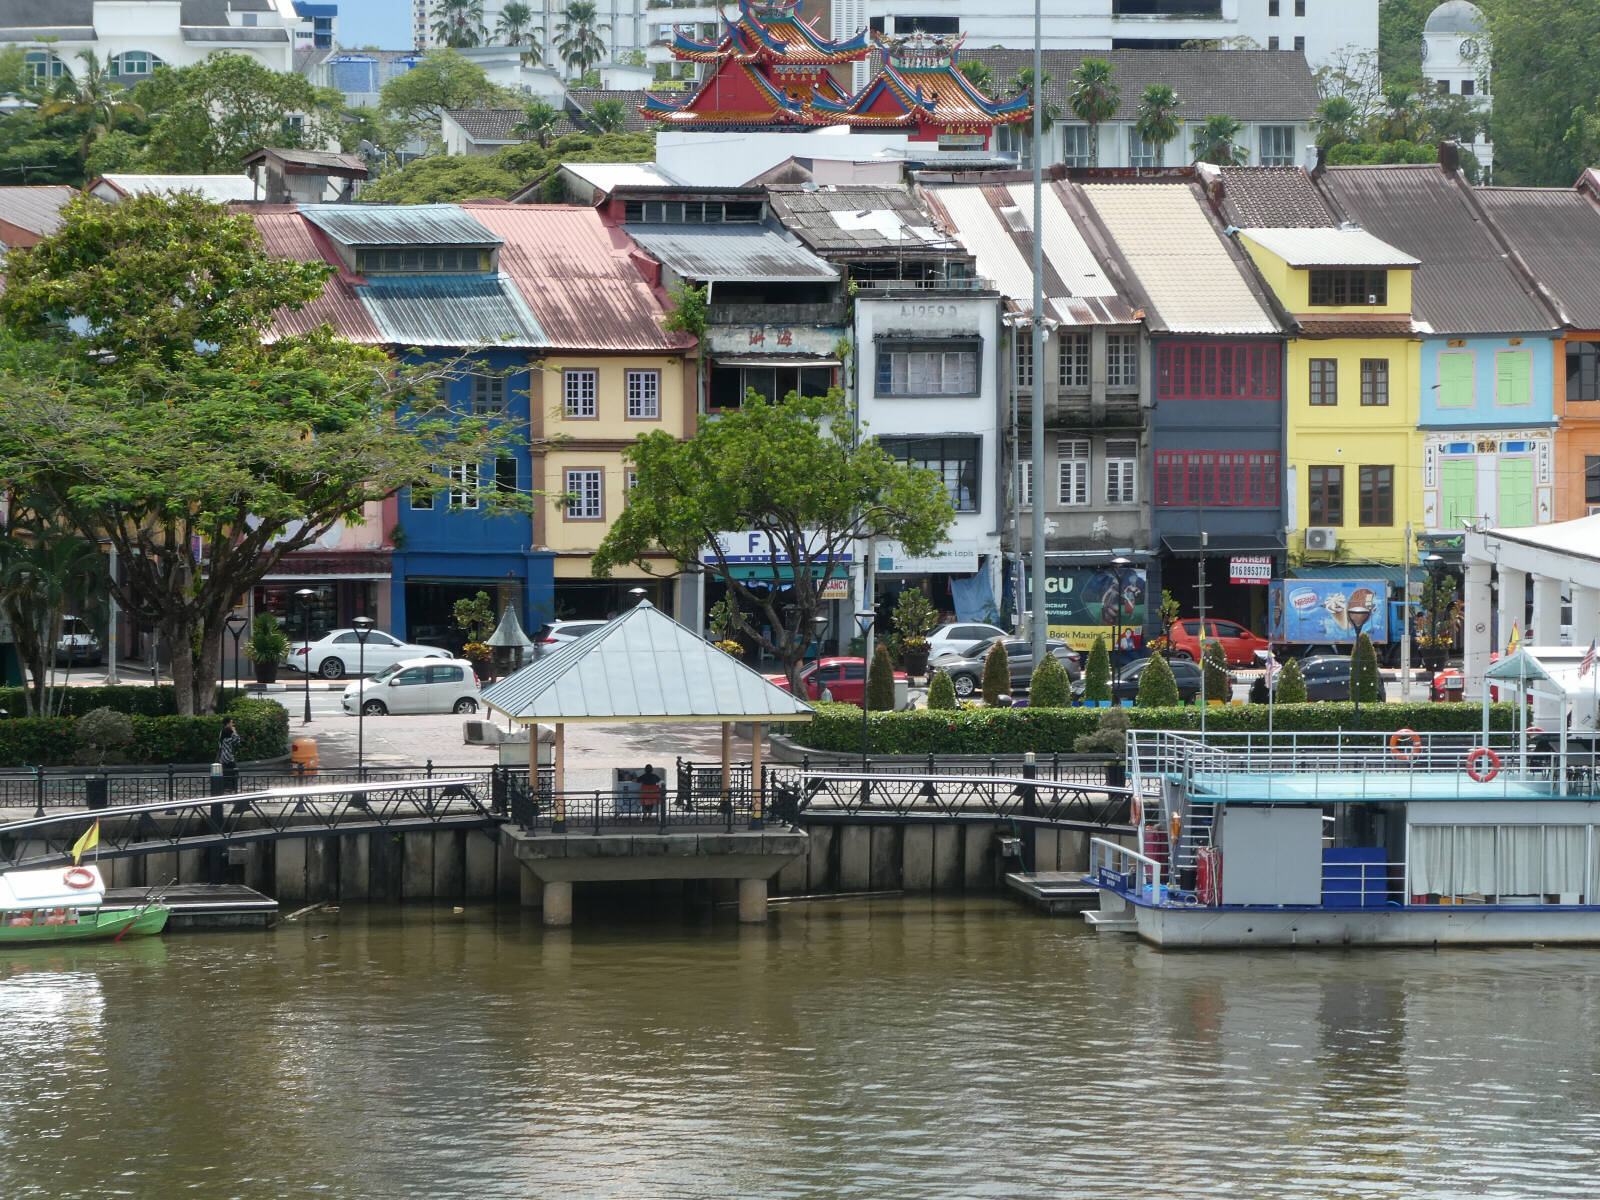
(515,28)
(1334,122)
(577,38)
(1022,81)
(1399,112)
(93,96)
(1094,98)
(1214,141)
(608,116)
(459,23)
(539,123)
(41,576)
(1158,121)
(977,72)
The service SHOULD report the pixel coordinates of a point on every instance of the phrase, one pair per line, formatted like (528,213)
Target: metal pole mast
(1041,621)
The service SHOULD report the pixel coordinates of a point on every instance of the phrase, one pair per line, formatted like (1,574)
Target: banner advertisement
(1083,603)
(1318,610)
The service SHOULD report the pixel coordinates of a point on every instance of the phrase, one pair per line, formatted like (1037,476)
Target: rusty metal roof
(576,275)
(731,253)
(398,225)
(287,234)
(1556,233)
(1466,283)
(37,210)
(855,221)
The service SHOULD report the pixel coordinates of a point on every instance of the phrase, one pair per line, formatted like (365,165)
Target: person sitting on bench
(649,788)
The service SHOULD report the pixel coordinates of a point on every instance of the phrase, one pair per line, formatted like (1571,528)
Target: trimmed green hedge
(837,727)
(263,727)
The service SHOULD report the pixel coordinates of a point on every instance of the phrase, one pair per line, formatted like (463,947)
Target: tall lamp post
(306,595)
(363,628)
(866,617)
(1119,564)
(1359,615)
(237,623)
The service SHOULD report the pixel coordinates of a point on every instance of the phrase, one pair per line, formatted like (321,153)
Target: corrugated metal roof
(1556,232)
(1166,236)
(287,234)
(398,225)
(1270,198)
(731,252)
(216,188)
(1465,283)
(609,176)
(643,666)
(1329,248)
(450,310)
(856,220)
(576,276)
(36,209)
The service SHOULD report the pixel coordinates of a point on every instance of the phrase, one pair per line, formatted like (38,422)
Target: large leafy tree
(443,79)
(143,406)
(1546,58)
(577,39)
(1094,98)
(44,572)
(93,98)
(791,471)
(1158,121)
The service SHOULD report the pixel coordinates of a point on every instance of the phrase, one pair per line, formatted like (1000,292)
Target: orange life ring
(1136,809)
(78,877)
(1478,756)
(1405,743)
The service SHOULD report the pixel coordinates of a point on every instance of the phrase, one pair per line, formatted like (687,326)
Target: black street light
(306,595)
(237,623)
(1118,564)
(866,616)
(363,627)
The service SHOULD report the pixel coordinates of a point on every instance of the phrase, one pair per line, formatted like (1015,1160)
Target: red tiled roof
(1379,325)
(576,276)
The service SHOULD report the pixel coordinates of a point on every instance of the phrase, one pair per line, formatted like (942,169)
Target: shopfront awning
(1391,573)
(1224,543)
(773,360)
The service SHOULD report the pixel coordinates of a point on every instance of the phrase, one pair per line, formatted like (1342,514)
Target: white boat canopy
(53,887)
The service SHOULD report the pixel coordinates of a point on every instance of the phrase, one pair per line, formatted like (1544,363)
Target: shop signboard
(754,546)
(1083,603)
(1250,568)
(1316,611)
(951,558)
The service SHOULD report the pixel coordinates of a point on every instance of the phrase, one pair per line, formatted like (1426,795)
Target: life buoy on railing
(1475,769)
(78,877)
(1135,809)
(1405,743)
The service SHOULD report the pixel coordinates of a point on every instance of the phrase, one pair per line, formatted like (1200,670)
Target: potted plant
(267,647)
(914,620)
(1439,622)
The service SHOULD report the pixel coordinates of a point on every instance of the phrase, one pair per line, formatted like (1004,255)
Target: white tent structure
(1566,702)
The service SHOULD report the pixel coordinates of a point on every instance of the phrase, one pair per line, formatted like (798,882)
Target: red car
(1239,645)
(845,679)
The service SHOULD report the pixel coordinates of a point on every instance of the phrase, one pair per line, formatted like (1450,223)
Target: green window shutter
(1513,377)
(1458,491)
(1514,484)
(1457,382)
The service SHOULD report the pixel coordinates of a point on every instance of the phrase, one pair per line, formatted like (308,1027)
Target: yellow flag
(1511,646)
(88,841)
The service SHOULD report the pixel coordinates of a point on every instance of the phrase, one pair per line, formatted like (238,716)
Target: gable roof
(312,162)
(633,121)
(287,234)
(483,125)
(219,189)
(398,224)
(1170,243)
(1466,283)
(1305,248)
(1556,234)
(1269,197)
(1248,85)
(643,666)
(30,213)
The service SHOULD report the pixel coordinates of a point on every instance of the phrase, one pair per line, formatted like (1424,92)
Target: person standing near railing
(227,751)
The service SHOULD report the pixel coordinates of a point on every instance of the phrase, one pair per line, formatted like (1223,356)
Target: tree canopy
(443,79)
(176,432)
(444,178)
(1546,98)
(791,471)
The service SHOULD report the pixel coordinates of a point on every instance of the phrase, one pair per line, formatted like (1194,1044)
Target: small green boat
(66,904)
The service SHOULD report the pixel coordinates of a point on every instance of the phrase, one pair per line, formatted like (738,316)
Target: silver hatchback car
(416,685)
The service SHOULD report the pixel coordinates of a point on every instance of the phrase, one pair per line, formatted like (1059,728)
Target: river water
(877,1049)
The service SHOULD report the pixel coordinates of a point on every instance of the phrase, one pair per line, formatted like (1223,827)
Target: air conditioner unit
(1320,537)
(482,733)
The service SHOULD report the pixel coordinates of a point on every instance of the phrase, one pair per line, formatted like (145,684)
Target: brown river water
(872,1048)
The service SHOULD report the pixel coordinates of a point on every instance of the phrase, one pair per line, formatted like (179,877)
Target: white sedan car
(338,653)
(955,640)
(417,685)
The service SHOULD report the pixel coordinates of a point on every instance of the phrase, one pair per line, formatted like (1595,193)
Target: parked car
(1125,684)
(78,643)
(844,679)
(1238,643)
(338,653)
(568,631)
(416,685)
(966,670)
(958,638)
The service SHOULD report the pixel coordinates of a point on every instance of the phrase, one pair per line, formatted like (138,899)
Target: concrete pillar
(530,893)
(752,901)
(1585,615)
(1513,606)
(558,902)
(1546,622)
(1476,634)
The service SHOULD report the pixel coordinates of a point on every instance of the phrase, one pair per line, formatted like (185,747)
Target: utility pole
(1041,619)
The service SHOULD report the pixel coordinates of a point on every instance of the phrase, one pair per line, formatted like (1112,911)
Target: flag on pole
(1587,664)
(88,841)
(1516,640)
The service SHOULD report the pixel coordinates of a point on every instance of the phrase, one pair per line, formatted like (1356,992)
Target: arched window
(43,67)
(134,63)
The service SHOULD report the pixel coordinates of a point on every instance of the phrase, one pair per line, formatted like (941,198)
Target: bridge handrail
(1019,781)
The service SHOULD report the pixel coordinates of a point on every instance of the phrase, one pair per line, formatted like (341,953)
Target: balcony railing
(969,283)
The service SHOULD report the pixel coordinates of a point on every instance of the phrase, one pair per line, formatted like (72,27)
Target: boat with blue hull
(1401,839)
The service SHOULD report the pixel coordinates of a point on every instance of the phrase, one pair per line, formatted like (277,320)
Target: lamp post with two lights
(306,595)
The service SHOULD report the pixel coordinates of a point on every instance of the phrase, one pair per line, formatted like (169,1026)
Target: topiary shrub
(1157,687)
(1097,672)
(1049,686)
(1214,665)
(942,692)
(1110,736)
(1366,685)
(880,681)
(1291,683)
(103,736)
(996,674)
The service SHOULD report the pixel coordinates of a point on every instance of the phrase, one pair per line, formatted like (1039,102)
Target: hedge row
(837,727)
(263,727)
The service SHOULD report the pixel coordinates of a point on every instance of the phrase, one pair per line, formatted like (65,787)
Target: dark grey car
(1126,684)
(966,672)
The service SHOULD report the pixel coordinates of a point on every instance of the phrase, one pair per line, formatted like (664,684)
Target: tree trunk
(205,683)
(177,638)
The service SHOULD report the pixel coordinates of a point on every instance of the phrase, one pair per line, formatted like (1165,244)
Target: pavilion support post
(727,764)
(560,780)
(752,901)
(757,805)
(558,902)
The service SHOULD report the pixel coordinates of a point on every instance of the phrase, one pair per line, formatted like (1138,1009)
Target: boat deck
(1335,786)
(205,905)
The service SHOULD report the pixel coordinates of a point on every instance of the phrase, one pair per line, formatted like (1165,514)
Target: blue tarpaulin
(973,598)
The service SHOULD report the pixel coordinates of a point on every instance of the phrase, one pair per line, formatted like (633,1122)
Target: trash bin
(303,754)
(1453,689)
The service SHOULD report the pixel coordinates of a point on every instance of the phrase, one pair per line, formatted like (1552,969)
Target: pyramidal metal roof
(643,666)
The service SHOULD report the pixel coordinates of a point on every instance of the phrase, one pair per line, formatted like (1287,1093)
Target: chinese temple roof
(919,84)
(771,31)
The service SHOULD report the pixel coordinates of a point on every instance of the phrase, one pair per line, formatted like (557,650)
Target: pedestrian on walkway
(227,750)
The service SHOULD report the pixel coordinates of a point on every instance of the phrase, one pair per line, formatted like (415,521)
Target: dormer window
(425,260)
(1340,288)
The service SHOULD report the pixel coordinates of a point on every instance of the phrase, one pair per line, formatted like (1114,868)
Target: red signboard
(1250,569)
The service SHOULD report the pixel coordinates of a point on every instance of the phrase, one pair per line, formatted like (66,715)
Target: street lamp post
(237,624)
(306,595)
(1119,564)
(1358,615)
(363,627)
(866,616)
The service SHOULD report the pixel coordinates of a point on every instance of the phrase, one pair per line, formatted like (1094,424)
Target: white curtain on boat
(1520,862)
(1430,859)
(1563,858)
(1505,860)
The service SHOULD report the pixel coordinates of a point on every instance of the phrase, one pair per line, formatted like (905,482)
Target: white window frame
(1072,481)
(1276,145)
(463,475)
(588,485)
(1024,359)
(1122,361)
(644,395)
(1024,483)
(1140,152)
(1072,360)
(1075,146)
(581,392)
(1122,472)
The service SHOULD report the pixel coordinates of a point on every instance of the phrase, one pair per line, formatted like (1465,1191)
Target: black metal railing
(696,797)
